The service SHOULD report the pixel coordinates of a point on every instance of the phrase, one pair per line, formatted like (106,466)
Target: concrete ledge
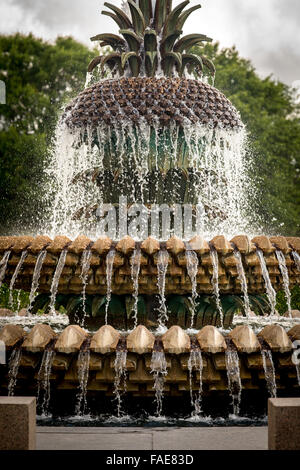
(17,423)
(284,423)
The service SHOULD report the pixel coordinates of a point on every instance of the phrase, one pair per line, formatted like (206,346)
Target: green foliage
(281,305)
(20,299)
(39,78)
(273,123)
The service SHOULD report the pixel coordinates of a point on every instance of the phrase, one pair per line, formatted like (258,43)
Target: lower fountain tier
(177,279)
(140,344)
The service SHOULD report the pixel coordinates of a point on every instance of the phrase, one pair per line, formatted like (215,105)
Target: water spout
(44,379)
(162,267)
(192,270)
(3,265)
(15,275)
(85,266)
(55,280)
(36,277)
(120,373)
(271,294)
(109,272)
(83,364)
(269,370)
(195,362)
(296,257)
(159,371)
(13,369)
(135,271)
(215,282)
(234,377)
(243,281)
(286,281)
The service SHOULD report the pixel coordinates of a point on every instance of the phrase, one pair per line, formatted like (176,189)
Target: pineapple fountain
(163,294)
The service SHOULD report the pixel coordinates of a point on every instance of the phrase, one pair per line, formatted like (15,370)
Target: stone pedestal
(17,423)
(284,423)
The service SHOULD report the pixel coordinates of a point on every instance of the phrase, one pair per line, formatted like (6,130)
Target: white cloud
(265,31)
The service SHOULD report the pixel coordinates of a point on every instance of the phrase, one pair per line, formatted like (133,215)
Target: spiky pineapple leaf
(185,43)
(146,8)
(162,10)
(122,19)
(134,61)
(94,63)
(191,59)
(137,17)
(184,16)
(150,40)
(132,39)
(151,59)
(112,40)
(169,41)
(208,63)
(173,17)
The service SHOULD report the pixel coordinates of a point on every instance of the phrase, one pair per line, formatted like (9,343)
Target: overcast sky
(265,31)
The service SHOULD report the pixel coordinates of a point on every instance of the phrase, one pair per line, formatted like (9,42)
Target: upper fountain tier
(151,65)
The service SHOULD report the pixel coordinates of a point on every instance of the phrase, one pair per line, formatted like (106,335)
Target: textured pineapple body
(159,102)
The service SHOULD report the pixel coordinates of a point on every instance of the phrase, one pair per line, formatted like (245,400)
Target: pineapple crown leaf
(152,40)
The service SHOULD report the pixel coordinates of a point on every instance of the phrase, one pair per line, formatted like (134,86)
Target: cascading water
(36,277)
(271,294)
(3,265)
(109,272)
(192,270)
(85,266)
(13,369)
(269,370)
(55,280)
(243,281)
(162,267)
(135,271)
(83,364)
(15,275)
(298,373)
(215,282)
(296,257)
(234,377)
(44,380)
(286,281)
(159,371)
(120,374)
(195,363)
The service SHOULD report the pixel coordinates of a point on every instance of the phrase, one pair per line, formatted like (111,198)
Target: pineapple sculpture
(143,118)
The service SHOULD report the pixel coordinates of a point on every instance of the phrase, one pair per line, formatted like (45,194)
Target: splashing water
(162,267)
(269,370)
(120,373)
(36,277)
(271,294)
(243,281)
(55,280)
(109,272)
(135,271)
(192,270)
(215,282)
(15,275)
(83,364)
(195,362)
(44,380)
(298,373)
(159,371)
(286,281)
(234,378)
(296,257)
(85,266)
(3,265)
(13,369)
(217,157)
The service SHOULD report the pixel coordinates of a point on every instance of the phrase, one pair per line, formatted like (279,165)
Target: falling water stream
(234,377)
(120,375)
(243,280)
(159,371)
(83,364)
(109,272)
(215,283)
(85,266)
(269,370)
(296,257)
(36,277)
(195,363)
(286,281)
(3,265)
(162,267)
(13,369)
(192,270)
(271,294)
(44,380)
(15,275)
(55,280)
(135,271)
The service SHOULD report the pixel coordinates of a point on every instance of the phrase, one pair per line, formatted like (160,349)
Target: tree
(40,77)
